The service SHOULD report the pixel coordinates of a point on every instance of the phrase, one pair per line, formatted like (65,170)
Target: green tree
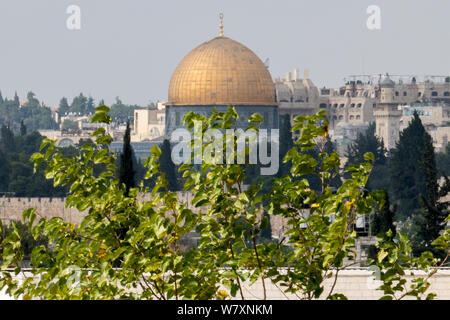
(168,167)
(23,128)
(383,220)
(430,219)
(27,240)
(407,175)
(4,172)
(63,106)
(369,142)
(227,218)
(286,143)
(69,125)
(90,106)
(16,100)
(126,168)
(7,140)
(32,101)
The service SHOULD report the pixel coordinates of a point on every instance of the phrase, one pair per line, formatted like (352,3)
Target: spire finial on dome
(221,24)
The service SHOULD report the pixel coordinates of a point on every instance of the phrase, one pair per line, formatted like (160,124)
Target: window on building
(446,94)
(341,117)
(359,105)
(341,105)
(334,117)
(396,93)
(335,105)
(434,94)
(351,117)
(405,93)
(352,105)
(323,106)
(358,117)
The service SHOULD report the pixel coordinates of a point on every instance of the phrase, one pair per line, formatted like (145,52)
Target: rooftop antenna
(221,25)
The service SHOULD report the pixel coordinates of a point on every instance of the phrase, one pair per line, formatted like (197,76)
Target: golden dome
(221,72)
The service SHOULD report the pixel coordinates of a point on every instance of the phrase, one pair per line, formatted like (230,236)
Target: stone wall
(12,209)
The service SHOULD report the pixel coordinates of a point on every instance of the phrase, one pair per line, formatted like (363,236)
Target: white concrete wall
(355,284)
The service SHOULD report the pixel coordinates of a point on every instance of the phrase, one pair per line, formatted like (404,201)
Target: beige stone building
(383,99)
(297,96)
(149,123)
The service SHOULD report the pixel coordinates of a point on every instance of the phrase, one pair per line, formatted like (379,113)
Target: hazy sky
(129,48)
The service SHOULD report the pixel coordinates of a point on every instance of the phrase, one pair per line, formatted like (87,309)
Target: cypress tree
(430,219)
(7,143)
(4,172)
(407,175)
(167,166)
(23,128)
(286,143)
(126,167)
(369,142)
(63,106)
(383,221)
(16,100)
(90,105)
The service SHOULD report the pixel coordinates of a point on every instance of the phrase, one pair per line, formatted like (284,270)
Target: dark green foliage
(124,245)
(63,107)
(31,102)
(335,181)
(69,125)
(81,105)
(7,140)
(286,143)
(27,240)
(314,180)
(35,116)
(430,219)
(383,220)
(16,101)
(16,170)
(4,172)
(168,167)
(443,161)
(121,112)
(23,128)
(428,167)
(369,142)
(127,159)
(407,174)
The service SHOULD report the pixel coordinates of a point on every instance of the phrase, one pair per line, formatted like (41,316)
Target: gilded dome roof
(221,72)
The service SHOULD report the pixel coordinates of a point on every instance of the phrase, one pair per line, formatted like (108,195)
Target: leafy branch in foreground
(127,248)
